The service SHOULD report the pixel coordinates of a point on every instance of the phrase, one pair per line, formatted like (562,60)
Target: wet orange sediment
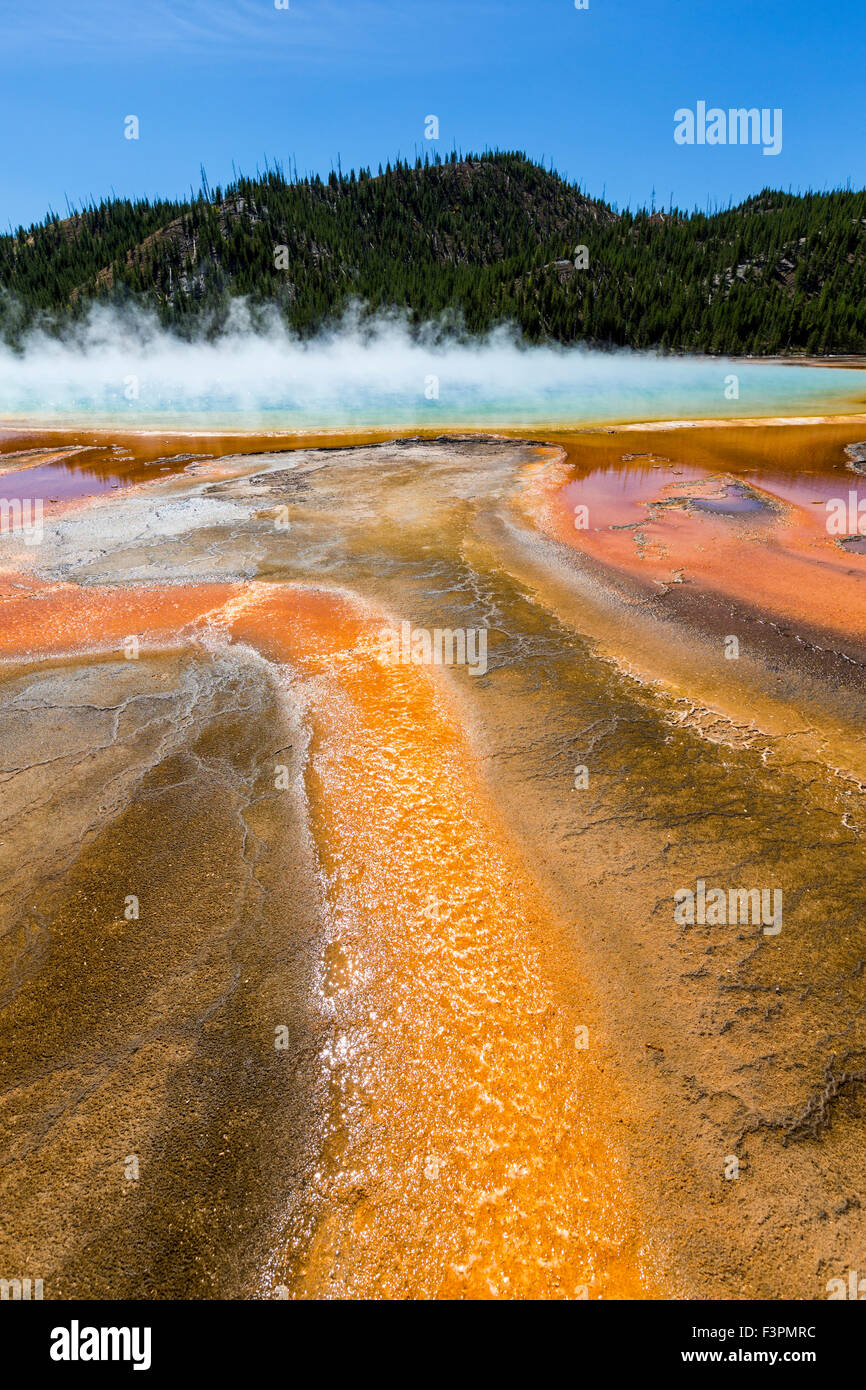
(781,558)
(64,469)
(466,1147)
(84,462)
(467,1151)
(47,468)
(57,619)
(26,460)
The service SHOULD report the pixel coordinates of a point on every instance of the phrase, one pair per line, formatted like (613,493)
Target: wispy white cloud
(198,28)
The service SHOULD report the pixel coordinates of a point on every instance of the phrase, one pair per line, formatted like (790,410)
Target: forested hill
(493,238)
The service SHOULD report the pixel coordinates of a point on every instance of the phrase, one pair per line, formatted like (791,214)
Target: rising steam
(122,364)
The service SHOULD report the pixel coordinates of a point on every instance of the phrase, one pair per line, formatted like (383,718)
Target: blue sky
(594,91)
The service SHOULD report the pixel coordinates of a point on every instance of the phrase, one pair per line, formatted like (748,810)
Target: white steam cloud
(122,365)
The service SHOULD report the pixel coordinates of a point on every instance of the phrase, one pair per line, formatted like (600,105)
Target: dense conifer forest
(479,240)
